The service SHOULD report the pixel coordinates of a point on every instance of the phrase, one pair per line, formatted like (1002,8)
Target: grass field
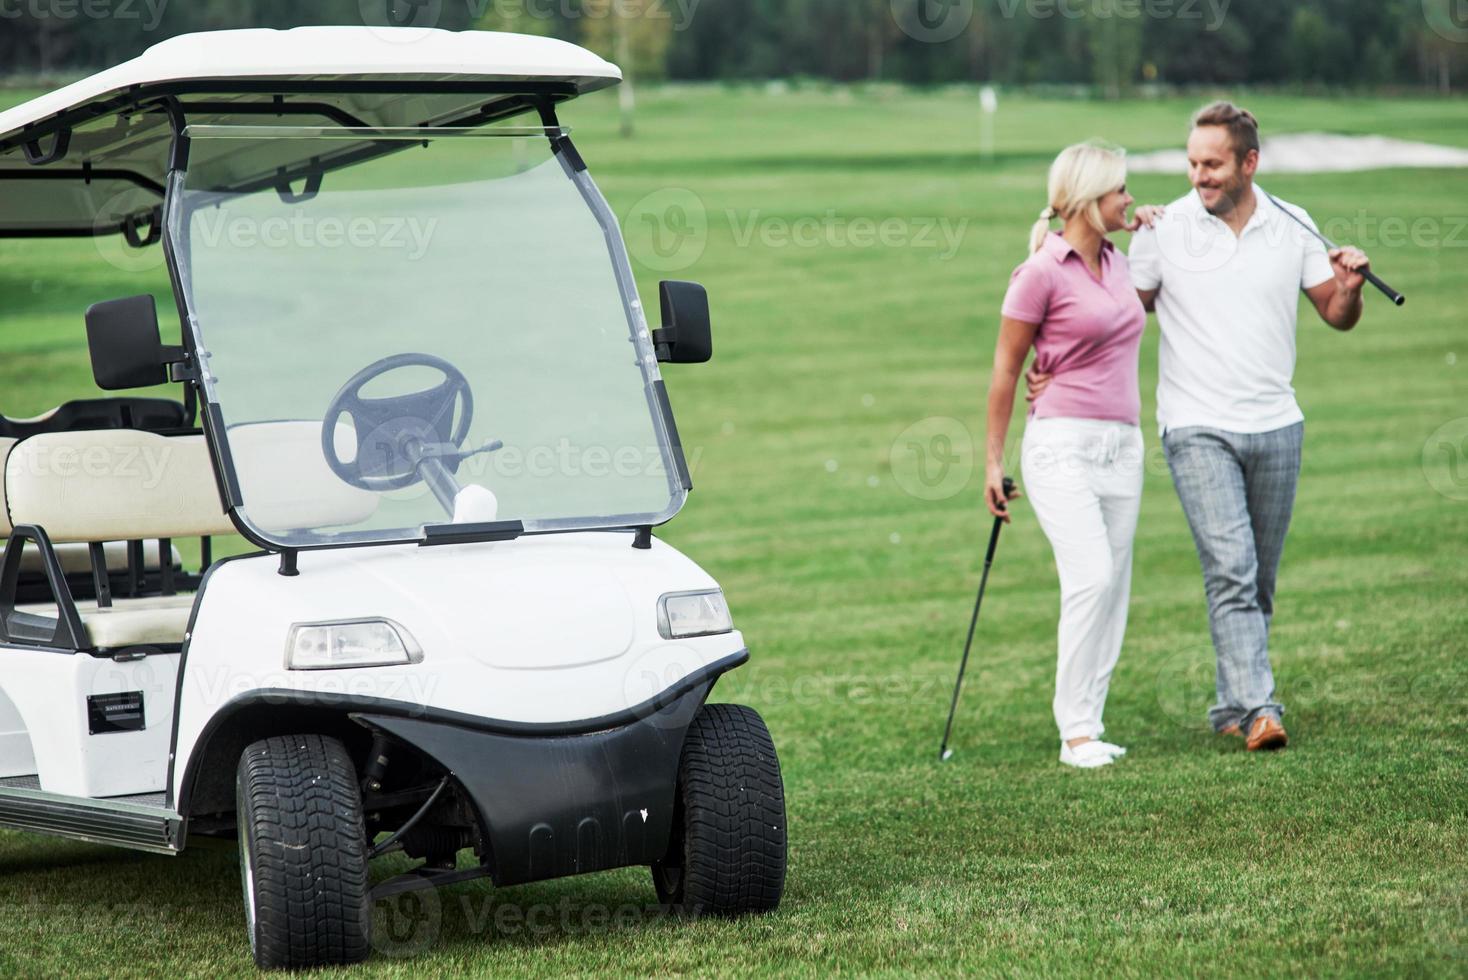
(850,564)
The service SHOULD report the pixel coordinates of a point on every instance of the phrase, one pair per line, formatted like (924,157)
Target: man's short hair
(1243,128)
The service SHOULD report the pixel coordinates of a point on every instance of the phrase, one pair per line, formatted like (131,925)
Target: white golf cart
(417,376)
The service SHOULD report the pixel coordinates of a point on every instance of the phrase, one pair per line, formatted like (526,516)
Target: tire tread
(734,834)
(300,796)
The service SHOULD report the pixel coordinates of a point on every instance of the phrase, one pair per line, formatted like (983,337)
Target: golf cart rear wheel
(727,852)
(303,853)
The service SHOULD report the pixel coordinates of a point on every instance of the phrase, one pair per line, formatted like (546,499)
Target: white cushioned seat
(114,484)
(151,620)
(131,622)
(126,484)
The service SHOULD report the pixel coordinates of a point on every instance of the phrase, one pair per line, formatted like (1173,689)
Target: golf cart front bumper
(563,800)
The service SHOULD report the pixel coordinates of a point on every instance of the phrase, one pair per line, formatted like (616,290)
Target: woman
(1074,303)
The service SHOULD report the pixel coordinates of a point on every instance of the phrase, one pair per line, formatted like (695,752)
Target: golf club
(1371,277)
(943,751)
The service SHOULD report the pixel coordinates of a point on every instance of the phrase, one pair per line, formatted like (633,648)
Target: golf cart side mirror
(686,337)
(127,350)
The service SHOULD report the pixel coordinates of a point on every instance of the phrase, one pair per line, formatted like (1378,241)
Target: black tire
(727,853)
(303,853)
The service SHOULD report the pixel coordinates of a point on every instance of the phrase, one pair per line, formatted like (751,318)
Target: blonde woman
(1073,302)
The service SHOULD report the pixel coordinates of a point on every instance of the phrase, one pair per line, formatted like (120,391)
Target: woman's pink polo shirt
(1090,331)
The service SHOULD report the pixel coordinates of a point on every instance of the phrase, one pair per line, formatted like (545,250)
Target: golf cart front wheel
(303,853)
(727,852)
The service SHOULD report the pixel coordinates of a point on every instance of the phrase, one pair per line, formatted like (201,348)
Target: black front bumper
(552,805)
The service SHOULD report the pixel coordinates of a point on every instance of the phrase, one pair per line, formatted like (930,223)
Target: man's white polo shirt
(1229,308)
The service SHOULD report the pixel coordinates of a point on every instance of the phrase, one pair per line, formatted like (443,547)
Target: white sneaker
(1087,755)
(1116,750)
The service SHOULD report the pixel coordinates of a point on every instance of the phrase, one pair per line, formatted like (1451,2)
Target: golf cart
(415,376)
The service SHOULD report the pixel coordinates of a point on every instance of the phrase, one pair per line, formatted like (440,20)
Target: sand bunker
(1311,153)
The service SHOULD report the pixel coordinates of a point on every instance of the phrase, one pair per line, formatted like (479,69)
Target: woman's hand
(994,493)
(1148,215)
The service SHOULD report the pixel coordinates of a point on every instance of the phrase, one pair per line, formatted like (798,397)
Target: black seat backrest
(148,414)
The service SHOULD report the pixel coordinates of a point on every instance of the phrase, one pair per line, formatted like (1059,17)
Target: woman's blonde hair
(1079,178)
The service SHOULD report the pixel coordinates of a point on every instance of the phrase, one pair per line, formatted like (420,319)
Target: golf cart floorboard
(141,821)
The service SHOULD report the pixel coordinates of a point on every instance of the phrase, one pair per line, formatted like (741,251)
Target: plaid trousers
(1238,493)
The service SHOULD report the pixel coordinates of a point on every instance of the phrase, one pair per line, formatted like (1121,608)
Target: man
(1223,269)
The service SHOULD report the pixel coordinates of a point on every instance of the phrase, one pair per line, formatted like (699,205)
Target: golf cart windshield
(400,328)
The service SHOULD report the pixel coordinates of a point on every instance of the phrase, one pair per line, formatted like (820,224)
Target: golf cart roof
(88,159)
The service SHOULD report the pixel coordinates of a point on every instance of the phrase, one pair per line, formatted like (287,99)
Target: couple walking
(1222,267)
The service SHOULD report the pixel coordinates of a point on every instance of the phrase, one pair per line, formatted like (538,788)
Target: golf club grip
(1008,486)
(1391,293)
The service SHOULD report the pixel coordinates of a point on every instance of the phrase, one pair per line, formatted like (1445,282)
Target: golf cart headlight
(352,643)
(684,614)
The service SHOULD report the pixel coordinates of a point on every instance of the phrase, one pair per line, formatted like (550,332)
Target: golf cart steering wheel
(398,433)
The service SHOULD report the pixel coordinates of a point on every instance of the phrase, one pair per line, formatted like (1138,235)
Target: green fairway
(855,244)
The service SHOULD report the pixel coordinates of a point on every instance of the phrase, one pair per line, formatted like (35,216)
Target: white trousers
(1083,477)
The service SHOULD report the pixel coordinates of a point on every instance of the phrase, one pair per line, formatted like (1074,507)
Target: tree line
(1112,46)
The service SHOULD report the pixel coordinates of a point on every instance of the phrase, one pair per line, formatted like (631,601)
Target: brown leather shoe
(1265,734)
(1231,730)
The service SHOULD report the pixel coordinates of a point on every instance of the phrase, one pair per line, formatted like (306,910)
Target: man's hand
(1338,300)
(1148,215)
(1036,382)
(1349,264)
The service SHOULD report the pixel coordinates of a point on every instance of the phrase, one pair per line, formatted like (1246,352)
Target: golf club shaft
(1370,276)
(973,623)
